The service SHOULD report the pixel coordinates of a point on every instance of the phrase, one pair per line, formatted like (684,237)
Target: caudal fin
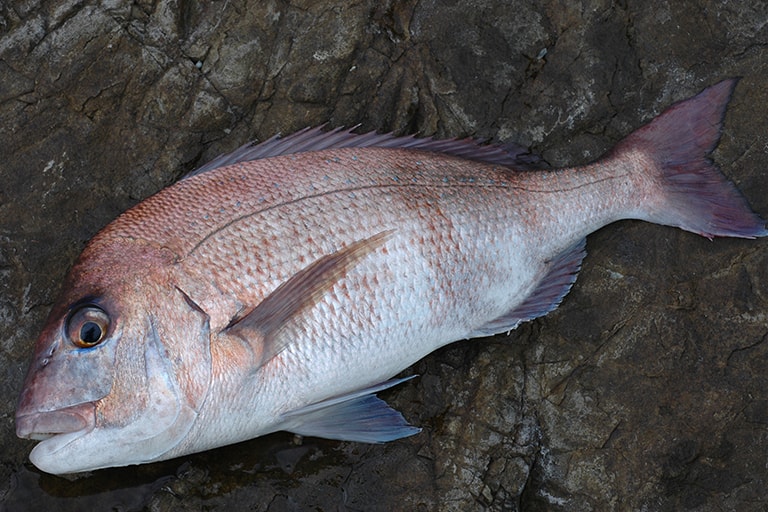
(696,196)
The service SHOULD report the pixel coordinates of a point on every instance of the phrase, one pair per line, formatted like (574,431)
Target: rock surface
(646,390)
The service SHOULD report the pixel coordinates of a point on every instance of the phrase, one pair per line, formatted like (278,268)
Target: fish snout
(40,425)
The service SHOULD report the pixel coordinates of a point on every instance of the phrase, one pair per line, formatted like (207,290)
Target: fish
(281,287)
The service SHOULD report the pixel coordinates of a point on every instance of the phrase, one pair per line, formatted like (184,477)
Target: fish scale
(291,228)
(282,286)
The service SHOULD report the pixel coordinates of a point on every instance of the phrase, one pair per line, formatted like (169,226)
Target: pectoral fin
(267,323)
(358,416)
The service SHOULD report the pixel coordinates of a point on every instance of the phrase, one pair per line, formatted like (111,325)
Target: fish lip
(42,425)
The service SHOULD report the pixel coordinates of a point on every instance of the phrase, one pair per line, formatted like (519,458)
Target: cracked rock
(645,390)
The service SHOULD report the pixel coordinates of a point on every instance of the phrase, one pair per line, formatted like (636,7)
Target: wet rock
(645,390)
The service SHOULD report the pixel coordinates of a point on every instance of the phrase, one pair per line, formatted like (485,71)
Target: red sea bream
(282,286)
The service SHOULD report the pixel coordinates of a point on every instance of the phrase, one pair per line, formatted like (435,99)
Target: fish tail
(688,189)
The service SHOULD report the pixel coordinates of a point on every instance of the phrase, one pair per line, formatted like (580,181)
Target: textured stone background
(646,390)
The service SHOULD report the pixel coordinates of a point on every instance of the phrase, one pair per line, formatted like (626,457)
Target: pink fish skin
(282,286)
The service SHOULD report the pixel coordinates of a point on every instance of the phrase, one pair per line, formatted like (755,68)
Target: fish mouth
(42,425)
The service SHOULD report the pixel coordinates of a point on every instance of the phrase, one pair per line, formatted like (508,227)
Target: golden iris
(87,326)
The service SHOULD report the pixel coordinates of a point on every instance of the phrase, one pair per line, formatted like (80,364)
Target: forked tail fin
(696,196)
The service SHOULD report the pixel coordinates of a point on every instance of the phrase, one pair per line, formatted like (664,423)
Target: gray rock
(646,390)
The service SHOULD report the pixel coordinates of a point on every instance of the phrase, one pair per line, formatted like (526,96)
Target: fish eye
(87,326)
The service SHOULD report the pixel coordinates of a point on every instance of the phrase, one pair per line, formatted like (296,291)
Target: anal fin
(358,416)
(546,297)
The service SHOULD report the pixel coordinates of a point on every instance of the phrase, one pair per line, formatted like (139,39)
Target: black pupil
(90,332)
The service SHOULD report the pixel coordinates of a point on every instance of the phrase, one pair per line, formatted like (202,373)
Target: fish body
(282,286)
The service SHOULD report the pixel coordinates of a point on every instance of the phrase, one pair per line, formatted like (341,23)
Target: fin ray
(548,294)
(358,416)
(265,324)
(317,139)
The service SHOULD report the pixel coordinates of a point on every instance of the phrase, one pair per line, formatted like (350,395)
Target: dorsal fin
(317,139)
(266,324)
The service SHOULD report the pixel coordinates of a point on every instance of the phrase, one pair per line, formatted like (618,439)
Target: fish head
(121,368)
